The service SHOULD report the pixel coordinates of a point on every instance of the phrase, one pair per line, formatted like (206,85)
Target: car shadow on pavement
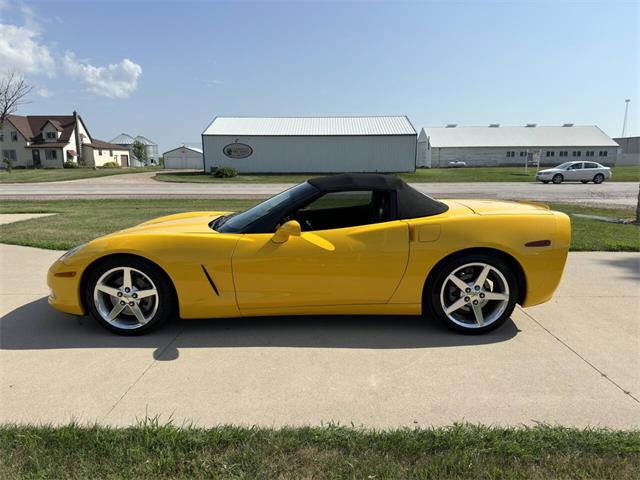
(630,266)
(37,326)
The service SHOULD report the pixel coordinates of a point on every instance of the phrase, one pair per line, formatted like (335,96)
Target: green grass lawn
(30,175)
(478,174)
(81,220)
(461,451)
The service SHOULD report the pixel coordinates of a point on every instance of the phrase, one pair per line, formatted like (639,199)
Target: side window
(341,200)
(345,209)
(575,166)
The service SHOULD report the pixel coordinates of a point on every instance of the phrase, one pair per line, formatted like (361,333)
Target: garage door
(183,161)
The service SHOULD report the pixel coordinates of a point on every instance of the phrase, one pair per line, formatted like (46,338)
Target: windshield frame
(263,217)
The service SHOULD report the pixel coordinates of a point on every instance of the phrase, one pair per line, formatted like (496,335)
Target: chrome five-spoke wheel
(129,295)
(125,297)
(474,295)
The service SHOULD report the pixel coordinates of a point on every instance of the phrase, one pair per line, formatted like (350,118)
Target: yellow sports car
(342,244)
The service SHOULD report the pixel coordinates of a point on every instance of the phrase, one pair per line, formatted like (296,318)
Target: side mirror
(286,230)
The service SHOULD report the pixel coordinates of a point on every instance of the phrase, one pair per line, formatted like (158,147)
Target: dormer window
(51,135)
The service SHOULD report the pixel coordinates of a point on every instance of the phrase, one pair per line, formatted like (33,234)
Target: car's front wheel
(473,293)
(598,179)
(557,178)
(129,296)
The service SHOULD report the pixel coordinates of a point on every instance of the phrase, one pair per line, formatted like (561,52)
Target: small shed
(183,158)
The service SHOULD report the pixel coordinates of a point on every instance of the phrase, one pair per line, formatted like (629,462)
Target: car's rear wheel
(129,296)
(557,178)
(598,179)
(473,294)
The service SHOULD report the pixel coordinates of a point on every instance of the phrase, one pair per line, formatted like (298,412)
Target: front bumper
(64,286)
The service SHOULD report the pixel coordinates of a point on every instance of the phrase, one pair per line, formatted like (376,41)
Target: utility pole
(626,117)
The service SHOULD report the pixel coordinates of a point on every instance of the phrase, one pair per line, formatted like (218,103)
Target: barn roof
(519,136)
(310,126)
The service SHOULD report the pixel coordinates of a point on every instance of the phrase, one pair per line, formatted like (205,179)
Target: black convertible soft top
(411,202)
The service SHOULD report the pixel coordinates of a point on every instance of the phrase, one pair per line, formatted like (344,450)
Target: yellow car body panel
(371,269)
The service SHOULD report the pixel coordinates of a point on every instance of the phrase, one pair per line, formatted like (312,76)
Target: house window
(51,135)
(51,154)
(100,152)
(603,153)
(576,154)
(523,154)
(9,155)
(564,154)
(14,136)
(551,154)
(511,154)
(1,136)
(589,153)
(111,153)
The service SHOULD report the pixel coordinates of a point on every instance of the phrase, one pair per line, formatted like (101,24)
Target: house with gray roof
(48,141)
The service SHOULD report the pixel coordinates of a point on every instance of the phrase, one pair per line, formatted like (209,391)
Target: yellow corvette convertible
(342,244)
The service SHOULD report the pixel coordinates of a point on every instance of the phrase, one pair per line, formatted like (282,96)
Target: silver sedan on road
(575,172)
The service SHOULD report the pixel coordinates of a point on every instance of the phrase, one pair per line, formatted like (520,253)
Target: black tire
(584,181)
(165,299)
(598,179)
(432,298)
(557,178)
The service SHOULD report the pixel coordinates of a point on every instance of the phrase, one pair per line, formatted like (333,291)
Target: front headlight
(69,253)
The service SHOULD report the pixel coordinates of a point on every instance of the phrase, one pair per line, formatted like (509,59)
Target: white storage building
(496,145)
(310,144)
(183,158)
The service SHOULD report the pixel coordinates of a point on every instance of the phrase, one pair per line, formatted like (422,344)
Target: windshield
(239,221)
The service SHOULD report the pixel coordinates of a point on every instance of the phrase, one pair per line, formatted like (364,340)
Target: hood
(550,170)
(188,222)
(499,207)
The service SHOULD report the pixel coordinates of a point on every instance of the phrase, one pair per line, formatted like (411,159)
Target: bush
(225,172)
(8,164)
(110,165)
(70,164)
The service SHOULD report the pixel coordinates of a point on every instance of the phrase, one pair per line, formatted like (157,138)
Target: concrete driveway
(142,185)
(573,361)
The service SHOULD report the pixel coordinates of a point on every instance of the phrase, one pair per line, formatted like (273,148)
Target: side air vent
(213,285)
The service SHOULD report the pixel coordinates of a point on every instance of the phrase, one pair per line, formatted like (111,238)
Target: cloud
(116,80)
(43,92)
(211,83)
(21,50)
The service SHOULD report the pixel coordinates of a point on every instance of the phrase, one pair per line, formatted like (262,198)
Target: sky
(166,69)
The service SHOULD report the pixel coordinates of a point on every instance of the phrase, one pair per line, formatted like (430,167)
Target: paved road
(572,361)
(611,194)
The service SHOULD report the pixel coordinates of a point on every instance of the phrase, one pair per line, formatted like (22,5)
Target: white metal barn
(496,145)
(310,144)
(183,158)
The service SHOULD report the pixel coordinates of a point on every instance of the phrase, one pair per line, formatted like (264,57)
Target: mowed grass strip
(466,174)
(459,451)
(79,221)
(30,175)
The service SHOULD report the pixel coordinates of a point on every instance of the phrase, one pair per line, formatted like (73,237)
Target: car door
(357,264)
(589,171)
(574,172)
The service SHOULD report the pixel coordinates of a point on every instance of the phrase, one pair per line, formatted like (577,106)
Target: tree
(139,151)
(13,92)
